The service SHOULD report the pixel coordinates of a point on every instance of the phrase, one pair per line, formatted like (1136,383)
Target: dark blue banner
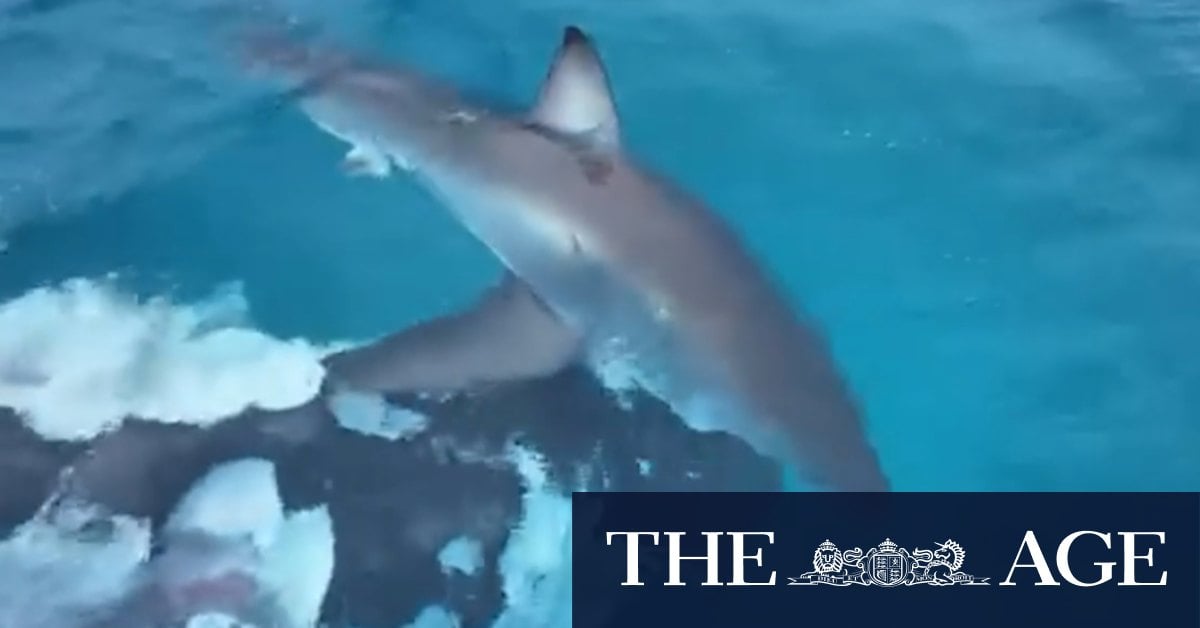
(896,559)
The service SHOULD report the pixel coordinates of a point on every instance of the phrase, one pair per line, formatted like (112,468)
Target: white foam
(78,358)
(645,467)
(616,372)
(234,499)
(56,573)
(298,566)
(435,617)
(47,559)
(213,620)
(371,414)
(239,500)
(536,562)
(462,554)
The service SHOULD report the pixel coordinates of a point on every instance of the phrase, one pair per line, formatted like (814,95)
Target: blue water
(990,207)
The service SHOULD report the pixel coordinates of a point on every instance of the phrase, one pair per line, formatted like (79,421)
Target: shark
(605,261)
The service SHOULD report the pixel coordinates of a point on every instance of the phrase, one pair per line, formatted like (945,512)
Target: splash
(228,546)
(78,358)
(536,562)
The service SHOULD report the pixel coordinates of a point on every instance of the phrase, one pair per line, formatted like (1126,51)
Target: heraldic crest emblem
(888,565)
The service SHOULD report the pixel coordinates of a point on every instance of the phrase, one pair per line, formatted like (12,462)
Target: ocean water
(990,208)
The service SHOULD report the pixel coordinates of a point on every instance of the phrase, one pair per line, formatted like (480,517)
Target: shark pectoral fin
(508,335)
(576,98)
(366,160)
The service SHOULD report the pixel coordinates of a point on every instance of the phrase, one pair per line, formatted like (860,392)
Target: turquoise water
(990,207)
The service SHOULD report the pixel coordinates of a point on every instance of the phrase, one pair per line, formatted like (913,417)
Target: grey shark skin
(604,259)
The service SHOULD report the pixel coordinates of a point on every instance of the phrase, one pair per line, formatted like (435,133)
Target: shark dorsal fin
(575,98)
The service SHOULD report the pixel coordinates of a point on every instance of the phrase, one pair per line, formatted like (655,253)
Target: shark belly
(622,326)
